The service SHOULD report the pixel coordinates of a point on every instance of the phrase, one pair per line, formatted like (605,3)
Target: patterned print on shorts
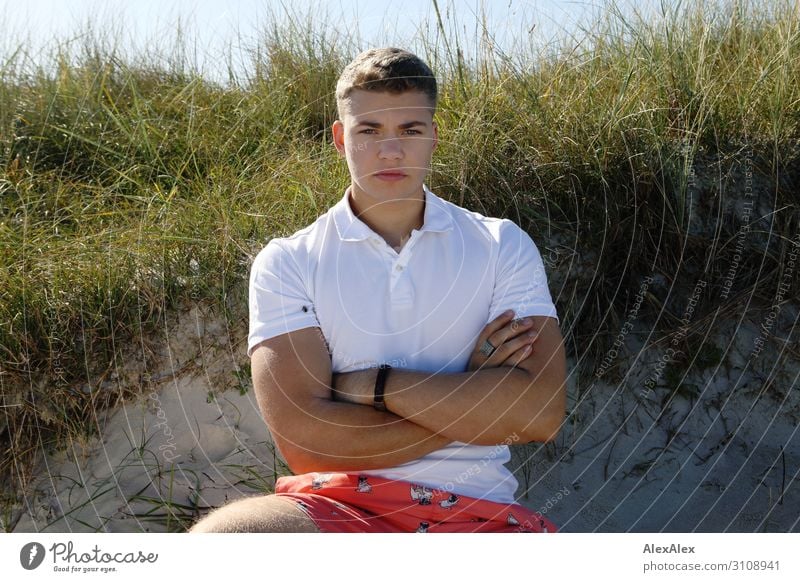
(320,479)
(449,502)
(421,494)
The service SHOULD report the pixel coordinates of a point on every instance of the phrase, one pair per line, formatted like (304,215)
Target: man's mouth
(390,175)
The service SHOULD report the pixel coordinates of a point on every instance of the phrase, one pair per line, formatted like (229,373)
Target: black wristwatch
(380,386)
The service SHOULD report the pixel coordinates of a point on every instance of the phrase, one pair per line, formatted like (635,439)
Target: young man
(385,389)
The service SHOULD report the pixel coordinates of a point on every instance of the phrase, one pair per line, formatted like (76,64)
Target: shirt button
(398,268)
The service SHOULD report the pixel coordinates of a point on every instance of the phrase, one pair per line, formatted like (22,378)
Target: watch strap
(380,387)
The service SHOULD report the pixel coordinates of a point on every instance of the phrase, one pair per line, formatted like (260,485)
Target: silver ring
(487,349)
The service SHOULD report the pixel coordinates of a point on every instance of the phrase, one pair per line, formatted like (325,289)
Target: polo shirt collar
(350,228)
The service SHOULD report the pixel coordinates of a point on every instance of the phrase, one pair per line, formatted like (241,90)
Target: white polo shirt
(421,309)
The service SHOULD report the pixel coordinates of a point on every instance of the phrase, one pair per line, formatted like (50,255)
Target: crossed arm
(515,393)
(523,399)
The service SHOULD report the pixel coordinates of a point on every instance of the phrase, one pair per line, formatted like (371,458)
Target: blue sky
(221,27)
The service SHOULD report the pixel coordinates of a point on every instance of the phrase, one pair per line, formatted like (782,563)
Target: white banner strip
(389,557)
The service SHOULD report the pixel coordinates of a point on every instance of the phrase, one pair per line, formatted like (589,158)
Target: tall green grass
(129,187)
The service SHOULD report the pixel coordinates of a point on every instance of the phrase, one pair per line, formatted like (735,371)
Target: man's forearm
(482,407)
(341,436)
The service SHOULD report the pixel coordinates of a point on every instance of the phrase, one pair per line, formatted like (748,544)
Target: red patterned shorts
(342,502)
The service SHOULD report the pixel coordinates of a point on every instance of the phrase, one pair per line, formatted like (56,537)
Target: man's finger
(496,324)
(515,328)
(519,356)
(512,346)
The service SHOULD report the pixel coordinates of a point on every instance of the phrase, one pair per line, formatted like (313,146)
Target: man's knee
(266,514)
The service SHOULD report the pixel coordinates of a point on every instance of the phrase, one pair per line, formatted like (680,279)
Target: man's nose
(390,148)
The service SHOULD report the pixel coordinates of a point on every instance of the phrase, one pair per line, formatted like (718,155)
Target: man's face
(388,140)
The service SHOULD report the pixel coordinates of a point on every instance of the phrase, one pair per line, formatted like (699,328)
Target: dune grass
(129,187)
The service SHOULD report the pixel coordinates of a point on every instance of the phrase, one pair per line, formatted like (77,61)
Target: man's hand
(511,340)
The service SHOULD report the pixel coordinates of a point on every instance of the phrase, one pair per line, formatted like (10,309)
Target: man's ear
(337,129)
(435,134)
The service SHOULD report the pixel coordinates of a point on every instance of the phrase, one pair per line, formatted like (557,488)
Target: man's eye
(368,131)
(413,132)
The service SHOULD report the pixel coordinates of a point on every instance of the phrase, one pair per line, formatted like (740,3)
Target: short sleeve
(278,298)
(520,278)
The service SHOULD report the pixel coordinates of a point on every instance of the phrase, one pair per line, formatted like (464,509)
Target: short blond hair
(388,69)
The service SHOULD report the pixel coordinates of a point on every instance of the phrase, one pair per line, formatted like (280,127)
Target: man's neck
(394,220)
